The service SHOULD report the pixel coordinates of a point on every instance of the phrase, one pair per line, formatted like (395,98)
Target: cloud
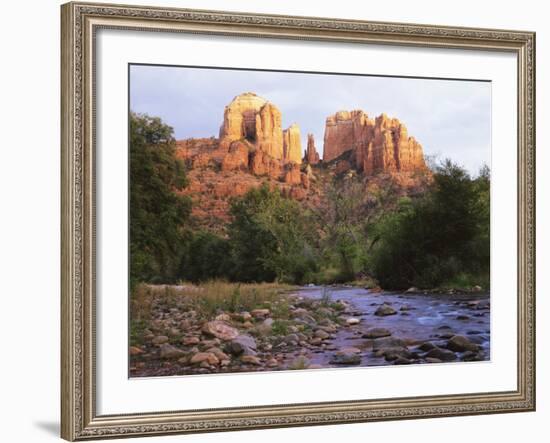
(448,117)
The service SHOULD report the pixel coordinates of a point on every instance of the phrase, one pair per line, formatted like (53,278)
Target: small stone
(441,354)
(345,358)
(427,346)
(323,335)
(459,343)
(218,353)
(208,357)
(385,310)
(472,356)
(251,360)
(259,313)
(169,351)
(174,332)
(134,350)
(160,339)
(352,321)
(387,342)
(185,324)
(433,360)
(391,354)
(376,333)
(223,317)
(190,341)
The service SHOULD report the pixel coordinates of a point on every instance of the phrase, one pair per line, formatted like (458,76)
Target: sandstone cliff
(312,156)
(253,149)
(376,145)
(292,145)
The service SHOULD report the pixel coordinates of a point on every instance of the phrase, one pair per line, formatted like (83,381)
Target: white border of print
(116,393)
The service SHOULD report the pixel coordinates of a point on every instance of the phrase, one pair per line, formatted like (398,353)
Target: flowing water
(420,318)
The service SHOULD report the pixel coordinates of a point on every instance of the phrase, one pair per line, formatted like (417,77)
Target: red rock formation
(391,149)
(269,135)
(237,158)
(380,145)
(305,180)
(292,144)
(293,175)
(343,131)
(254,119)
(311,156)
(263,164)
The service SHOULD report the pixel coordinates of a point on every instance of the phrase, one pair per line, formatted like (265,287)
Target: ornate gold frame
(79,23)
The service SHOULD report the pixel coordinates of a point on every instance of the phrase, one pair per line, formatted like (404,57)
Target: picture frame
(80,177)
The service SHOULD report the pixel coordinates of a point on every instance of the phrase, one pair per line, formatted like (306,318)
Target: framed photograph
(283,221)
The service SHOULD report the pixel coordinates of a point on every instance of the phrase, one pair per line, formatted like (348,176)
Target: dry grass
(215,296)
(208,298)
(141,303)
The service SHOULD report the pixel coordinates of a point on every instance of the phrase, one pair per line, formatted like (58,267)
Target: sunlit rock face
(292,144)
(380,145)
(253,119)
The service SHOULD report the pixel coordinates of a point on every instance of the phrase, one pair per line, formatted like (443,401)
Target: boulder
(242,344)
(459,343)
(168,351)
(376,333)
(220,329)
(346,357)
(441,354)
(385,310)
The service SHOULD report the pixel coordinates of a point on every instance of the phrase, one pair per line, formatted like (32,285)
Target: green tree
(157,212)
(346,218)
(439,236)
(207,257)
(269,238)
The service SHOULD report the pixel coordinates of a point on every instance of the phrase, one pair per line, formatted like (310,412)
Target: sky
(450,118)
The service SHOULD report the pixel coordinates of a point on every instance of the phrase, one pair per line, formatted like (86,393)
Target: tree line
(438,237)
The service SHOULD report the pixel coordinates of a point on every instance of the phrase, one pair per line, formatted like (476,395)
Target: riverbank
(307,328)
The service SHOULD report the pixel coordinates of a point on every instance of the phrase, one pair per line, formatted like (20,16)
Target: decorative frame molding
(79,23)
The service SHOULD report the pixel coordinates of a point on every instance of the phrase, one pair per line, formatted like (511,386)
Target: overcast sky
(451,119)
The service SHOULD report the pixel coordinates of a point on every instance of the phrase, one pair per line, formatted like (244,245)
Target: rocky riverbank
(311,329)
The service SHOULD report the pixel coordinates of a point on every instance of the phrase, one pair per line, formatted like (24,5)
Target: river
(420,318)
